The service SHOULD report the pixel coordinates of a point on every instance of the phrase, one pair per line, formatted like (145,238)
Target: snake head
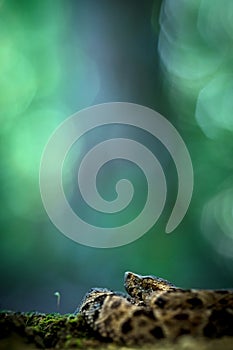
(140,287)
(91,303)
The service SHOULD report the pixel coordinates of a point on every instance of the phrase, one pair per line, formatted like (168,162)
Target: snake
(153,308)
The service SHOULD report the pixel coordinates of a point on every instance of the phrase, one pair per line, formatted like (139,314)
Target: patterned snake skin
(154,309)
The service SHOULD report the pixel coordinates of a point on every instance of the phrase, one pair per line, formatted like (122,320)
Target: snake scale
(155,309)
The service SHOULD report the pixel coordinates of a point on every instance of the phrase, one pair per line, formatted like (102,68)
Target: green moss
(46,330)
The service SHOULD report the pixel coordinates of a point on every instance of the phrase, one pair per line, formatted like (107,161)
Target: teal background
(58,57)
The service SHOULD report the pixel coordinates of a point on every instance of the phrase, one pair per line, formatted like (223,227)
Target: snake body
(154,308)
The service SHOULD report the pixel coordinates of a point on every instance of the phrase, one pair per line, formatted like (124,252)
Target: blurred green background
(58,57)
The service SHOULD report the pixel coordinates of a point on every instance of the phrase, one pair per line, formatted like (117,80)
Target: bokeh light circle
(58,146)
